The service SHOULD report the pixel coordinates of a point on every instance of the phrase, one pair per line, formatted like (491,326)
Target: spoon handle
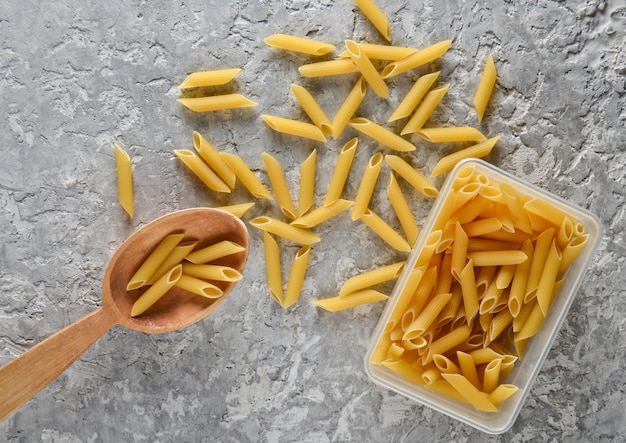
(26,375)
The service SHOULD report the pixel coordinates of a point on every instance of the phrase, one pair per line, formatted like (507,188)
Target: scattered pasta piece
(124,180)
(209,78)
(375,16)
(485,88)
(298,44)
(216,102)
(339,303)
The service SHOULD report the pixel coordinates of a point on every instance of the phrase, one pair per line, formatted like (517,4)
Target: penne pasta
(402,210)
(548,278)
(380,134)
(371,278)
(468,368)
(156,291)
(501,393)
(312,109)
(177,255)
(470,393)
(459,251)
(485,88)
(425,109)
(349,107)
(199,287)
(469,291)
(281,229)
(427,316)
(201,170)
(405,370)
(328,68)
(296,276)
(202,79)
(211,272)
(246,176)
(546,211)
(513,202)
(307,184)
(571,251)
(385,231)
(124,180)
(447,342)
(375,16)
(213,252)
(538,261)
(213,159)
(478,150)
(237,210)
(279,185)
(298,44)
(414,96)
(411,175)
(491,377)
(321,214)
(383,52)
(273,268)
(351,300)
(216,102)
(367,69)
(367,185)
(451,134)
(418,58)
(294,127)
(148,267)
(497,258)
(340,172)
(482,226)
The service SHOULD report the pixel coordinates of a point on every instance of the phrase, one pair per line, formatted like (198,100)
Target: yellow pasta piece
(470,294)
(294,127)
(414,96)
(405,370)
(497,258)
(173,258)
(532,324)
(482,226)
(321,214)
(447,342)
(505,276)
(371,278)
(565,233)
(546,211)
(445,365)
(214,251)
(501,320)
(367,185)
(281,229)
(402,210)
(491,377)
(571,251)
(478,150)
(296,276)
(201,170)
(470,393)
(279,185)
(501,393)
(340,172)
(411,175)
(485,88)
(459,251)
(548,277)
(124,180)
(211,272)
(513,202)
(213,159)
(538,261)
(518,285)
(298,44)
(273,268)
(351,300)
(452,134)
(419,58)
(383,52)
(156,291)
(430,246)
(468,368)
(367,69)
(307,184)
(215,77)
(328,68)
(149,266)
(382,135)
(199,287)
(384,231)
(237,210)
(425,109)
(427,316)
(246,176)
(375,16)
(312,109)
(216,102)
(349,107)
(404,299)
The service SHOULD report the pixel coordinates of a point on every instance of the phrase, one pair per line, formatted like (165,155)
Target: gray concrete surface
(76,76)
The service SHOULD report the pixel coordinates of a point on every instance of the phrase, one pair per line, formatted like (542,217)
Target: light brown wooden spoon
(29,373)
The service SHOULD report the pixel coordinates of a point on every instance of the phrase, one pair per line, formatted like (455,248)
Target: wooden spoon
(29,373)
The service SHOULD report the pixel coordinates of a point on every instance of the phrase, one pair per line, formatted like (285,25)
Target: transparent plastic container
(526,369)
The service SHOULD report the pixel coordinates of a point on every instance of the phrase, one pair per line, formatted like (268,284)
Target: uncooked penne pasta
(273,268)
(328,68)
(177,255)
(485,88)
(307,184)
(367,69)
(371,278)
(384,231)
(367,185)
(451,134)
(467,365)
(419,58)
(279,185)
(518,284)
(414,96)
(340,172)
(294,127)
(375,16)
(411,175)
(546,211)
(213,159)
(215,77)
(216,102)
(349,107)
(402,210)
(199,287)
(211,272)
(296,276)
(381,134)
(469,291)
(281,229)
(246,176)
(478,150)
(497,258)
(298,44)
(156,291)
(491,375)
(351,300)
(482,226)
(459,251)
(447,342)
(383,52)
(321,214)
(149,266)
(428,316)
(548,277)
(124,180)
(202,170)
(538,261)
(501,393)
(571,251)
(312,109)
(237,210)
(469,392)
(425,109)
(513,202)
(214,251)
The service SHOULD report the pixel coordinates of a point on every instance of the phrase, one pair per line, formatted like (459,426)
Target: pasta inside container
(526,368)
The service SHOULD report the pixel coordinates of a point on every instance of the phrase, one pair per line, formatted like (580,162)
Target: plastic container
(526,369)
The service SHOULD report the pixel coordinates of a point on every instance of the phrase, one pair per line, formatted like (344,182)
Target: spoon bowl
(23,377)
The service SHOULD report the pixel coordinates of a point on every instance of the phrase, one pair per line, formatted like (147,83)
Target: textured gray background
(76,76)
